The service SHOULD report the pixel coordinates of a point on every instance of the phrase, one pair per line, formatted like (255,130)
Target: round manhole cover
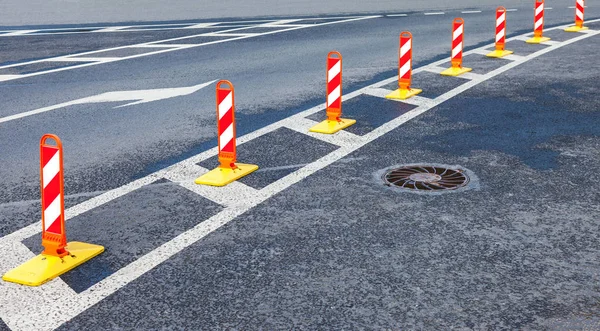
(426,178)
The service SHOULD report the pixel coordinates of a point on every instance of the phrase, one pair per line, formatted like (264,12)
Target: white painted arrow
(140,96)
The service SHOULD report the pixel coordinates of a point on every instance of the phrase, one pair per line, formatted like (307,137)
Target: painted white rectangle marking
(436,13)
(396,15)
(471,11)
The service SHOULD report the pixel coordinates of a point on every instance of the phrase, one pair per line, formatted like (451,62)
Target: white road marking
(142,96)
(165,50)
(17,33)
(29,308)
(83,59)
(471,11)
(435,13)
(396,15)
(113,28)
(512,9)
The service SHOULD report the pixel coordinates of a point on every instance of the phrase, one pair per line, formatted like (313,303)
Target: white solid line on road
(471,11)
(48,300)
(17,33)
(9,77)
(83,59)
(436,13)
(12,77)
(396,15)
(512,9)
(113,29)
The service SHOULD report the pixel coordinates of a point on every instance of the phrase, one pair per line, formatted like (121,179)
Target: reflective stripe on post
(54,238)
(226,124)
(500,28)
(457,42)
(334,86)
(538,27)
(405,61)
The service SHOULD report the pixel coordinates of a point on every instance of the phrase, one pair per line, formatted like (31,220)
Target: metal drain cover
(426,178)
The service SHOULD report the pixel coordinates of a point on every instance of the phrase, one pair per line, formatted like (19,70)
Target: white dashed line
(48,306)
(396,15)
(512,9)
(471,11)
(436,13)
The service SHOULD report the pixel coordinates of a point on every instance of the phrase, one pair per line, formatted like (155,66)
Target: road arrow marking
(140,96)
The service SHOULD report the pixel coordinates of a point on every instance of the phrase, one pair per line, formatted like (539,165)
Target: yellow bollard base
(455,71)
(403,94)
(499,54)
(44,268)
(331,127)
(575,28)
(223,176)
(537,40)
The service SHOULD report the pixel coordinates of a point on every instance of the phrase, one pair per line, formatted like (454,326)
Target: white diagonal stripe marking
(226,136)
(539,23)
(501,19)
(456,50)
(225,105)
(500,35)
(405,68)
(334,71)
(51,169)
(333,96)
(405,48)
(52,212)
(539,9)
(457,32)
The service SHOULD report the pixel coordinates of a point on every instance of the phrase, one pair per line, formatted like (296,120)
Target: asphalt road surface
(314,239)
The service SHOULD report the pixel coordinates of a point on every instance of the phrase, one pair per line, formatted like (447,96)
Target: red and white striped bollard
(458,32)
(579,11)
(404,69)
(228,170)
(538,24)
(500,34)
(334,121)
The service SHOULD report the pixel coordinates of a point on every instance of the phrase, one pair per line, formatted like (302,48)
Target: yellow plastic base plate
(331,127)
(223,176)
(499,54)
(44,268)
(575,28)
(455,71)
(537,40)
(403,94)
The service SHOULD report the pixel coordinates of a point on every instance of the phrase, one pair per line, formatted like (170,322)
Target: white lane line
(17,33)
(12,77)
(550,42)
(9,77)
(200,26)
(225,34)
(83,59)
(396,15)
(513,9)
(435,13)
(471,11)
(26,314)
(514,57)
(470,75)
(113,29)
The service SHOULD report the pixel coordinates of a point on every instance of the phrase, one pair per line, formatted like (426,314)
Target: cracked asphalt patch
(340,251)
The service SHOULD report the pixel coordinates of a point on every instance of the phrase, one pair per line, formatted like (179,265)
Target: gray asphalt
(39,12)
(341,250)
(518,252)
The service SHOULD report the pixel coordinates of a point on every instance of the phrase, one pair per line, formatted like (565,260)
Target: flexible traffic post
(579,11)
(538,24)
(458,31)
(500,50)
(228,170)
(404,90)
(334,121)
(58,256)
